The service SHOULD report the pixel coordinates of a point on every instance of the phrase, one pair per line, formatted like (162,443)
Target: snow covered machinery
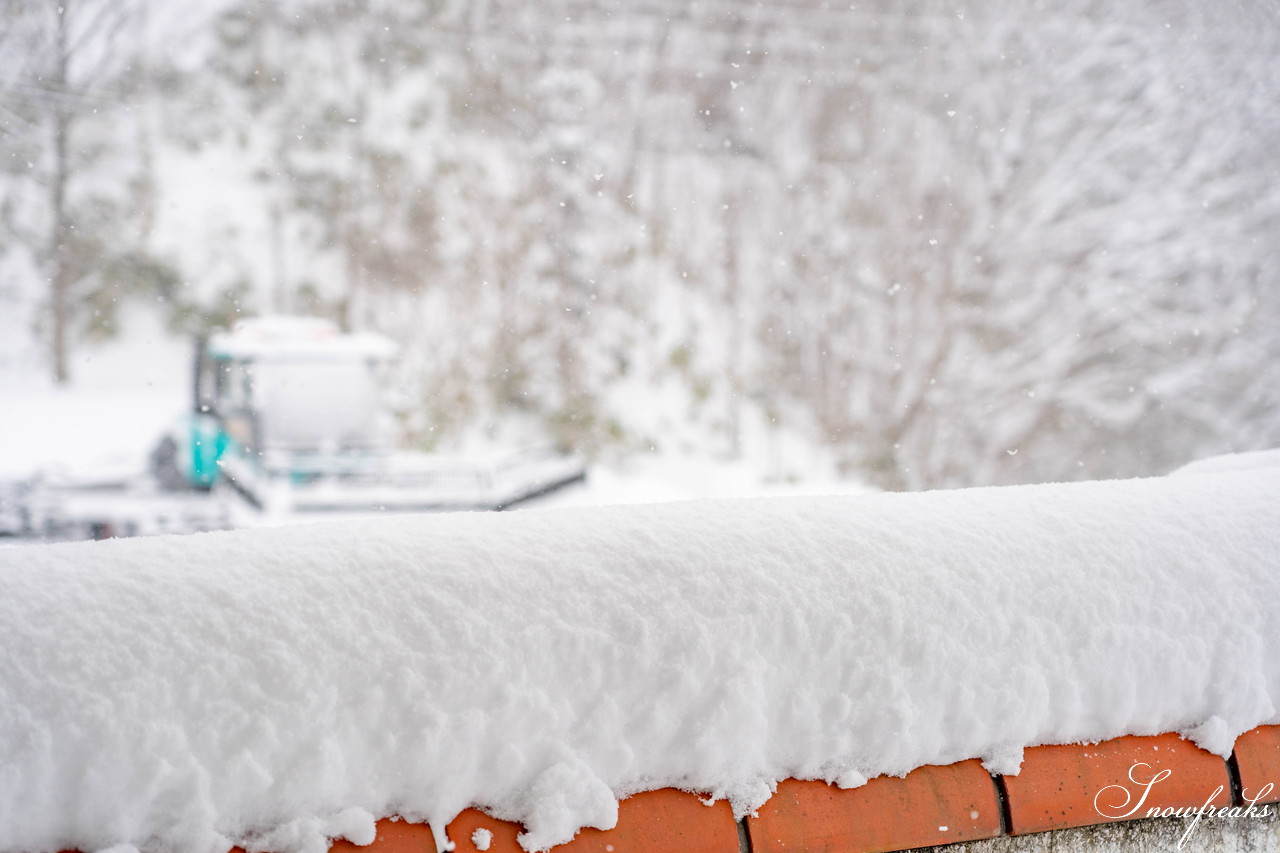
(288,415)
(288,420)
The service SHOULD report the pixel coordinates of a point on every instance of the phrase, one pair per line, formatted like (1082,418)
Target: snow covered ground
(125,394)
(274,687)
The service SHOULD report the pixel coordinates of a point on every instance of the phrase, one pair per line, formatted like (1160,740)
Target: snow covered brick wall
(1086,797)
(278,688)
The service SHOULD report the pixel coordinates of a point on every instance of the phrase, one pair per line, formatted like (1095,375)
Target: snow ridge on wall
(276,687)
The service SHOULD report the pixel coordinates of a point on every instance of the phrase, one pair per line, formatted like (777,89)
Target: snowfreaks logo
(1116,802)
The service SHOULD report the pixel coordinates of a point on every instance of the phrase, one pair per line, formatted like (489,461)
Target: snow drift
(275,687)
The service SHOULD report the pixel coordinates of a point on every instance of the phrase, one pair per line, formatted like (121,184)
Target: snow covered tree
(1029,264)
(71,175)
(333,118)
(946,244)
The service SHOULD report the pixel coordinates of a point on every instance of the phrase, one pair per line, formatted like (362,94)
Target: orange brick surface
(930,805)
(394,836)
(1258,759)
(664,821)
(1062,786)
(503,833)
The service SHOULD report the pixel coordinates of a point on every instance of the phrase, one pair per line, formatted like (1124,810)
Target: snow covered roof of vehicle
(296,683)
(288,337)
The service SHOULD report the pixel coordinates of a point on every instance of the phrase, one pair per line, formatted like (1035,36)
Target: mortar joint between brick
(744,837)
(1002,798)
(1233,774)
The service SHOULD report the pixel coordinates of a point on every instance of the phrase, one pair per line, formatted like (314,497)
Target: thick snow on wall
(274,687)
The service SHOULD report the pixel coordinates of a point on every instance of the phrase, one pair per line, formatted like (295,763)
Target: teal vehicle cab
(284,394)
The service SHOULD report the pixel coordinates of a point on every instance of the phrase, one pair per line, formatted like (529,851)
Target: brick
(653,822)
(503,833)
(1257,757)
(929,806)
(660,822)
(1073,785)
(394,836)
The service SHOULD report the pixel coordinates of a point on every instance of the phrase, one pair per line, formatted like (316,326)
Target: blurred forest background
(946,243)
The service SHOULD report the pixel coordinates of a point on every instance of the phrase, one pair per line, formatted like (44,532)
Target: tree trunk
(733,302)
(60,250)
